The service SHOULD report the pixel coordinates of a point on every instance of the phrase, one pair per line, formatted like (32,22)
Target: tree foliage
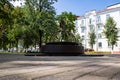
(78,38)
(32,24)
(39,14)
(111,31)
(5,15)
(68,29)
(92,37)
(5,20)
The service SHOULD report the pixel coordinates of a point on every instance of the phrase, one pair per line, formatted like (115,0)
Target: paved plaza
(20,67)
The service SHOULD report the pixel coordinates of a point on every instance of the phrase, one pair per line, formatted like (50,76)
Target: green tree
(5,14)
(36,14)
(5,19)
(15,32)
(27,37)
(67,18)
(50,27)
(92,37)
(111,31)
(78,39)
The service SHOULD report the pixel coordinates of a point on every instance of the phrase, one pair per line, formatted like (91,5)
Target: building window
(98,19)
(83,37)
(99,35)
(82,22)
(107,16)
(100,44)
(82,29)
(90,20)
(99,27)
(91,27)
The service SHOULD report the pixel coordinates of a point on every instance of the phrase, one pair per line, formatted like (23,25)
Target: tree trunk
(112,49)
(2,45)
(92,46)
(40,39)
(12,46)
(35,44)
(3,41)
(17,46)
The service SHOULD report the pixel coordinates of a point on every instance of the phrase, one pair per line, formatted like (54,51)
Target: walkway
(20,67)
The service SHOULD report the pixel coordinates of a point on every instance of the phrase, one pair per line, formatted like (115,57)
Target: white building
(17,2)
(96,20)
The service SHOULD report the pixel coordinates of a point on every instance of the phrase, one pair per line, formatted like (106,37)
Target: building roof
(100,11)
(111,7)
(80,17)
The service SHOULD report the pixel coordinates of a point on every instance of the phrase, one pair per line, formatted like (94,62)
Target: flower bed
(97,52)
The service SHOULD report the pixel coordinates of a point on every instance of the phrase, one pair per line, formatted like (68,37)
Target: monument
(63,46)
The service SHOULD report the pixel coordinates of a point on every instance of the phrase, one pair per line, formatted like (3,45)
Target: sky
(79,7)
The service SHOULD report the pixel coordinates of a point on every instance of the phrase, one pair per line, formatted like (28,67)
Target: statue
(63,46)
(62,24)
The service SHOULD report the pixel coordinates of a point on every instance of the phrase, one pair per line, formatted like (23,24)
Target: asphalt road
(20,67)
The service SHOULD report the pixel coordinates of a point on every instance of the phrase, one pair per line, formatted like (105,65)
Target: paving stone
(12,77)
(91,77)
(20,67)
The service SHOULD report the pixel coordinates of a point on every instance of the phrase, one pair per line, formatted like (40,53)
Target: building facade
(17,2)
(95,20)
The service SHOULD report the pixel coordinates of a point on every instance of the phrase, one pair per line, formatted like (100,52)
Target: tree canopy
(32,24)
(111,31)
(66,23)
(40,14)
(92,37)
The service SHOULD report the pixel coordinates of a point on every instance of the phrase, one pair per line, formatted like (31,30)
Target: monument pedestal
(62,48)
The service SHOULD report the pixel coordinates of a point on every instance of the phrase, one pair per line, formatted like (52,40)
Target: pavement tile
(20,67)
(106,72)
(91,77)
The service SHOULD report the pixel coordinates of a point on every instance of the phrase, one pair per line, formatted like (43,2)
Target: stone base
(62,48)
